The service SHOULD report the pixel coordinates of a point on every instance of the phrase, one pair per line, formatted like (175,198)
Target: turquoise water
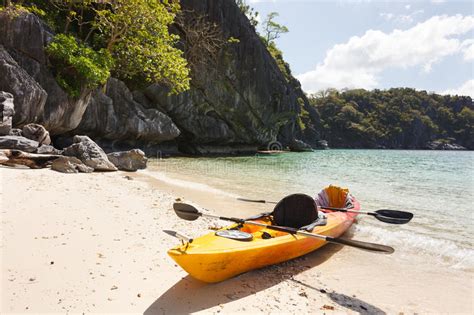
(437,186)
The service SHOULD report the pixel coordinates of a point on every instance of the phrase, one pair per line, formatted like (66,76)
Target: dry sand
(93,243)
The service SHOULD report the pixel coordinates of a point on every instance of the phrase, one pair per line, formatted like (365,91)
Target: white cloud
(468,49)
(466,89)
(358,62)
(408,6)
(401,18)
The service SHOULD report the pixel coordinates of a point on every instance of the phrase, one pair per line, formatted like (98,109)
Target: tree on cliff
(136,34)
(272,30)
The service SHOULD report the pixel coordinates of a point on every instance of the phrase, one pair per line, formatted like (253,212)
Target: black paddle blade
(363,245)
(186,211)
(251,200)
(393,216)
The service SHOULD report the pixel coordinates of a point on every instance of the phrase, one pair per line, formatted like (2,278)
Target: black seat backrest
(295,211)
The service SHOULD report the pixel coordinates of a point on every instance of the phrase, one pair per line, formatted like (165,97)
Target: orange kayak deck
(212,258)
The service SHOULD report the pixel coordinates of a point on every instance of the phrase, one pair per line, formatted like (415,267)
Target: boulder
(18,143)
(48,149)
(36,132)
(6,113)
(299,146)
(70,164)
(89,153)
(128,160)
(15,132)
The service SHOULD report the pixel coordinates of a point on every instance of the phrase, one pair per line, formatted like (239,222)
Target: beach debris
(139,295)
(100,255)
(215,227)
(323,291)
(303,294)
(327,307)
(51,263)
(32,279)
(128,177)
(131,161)
(70,164)
(32,160)
(114,287)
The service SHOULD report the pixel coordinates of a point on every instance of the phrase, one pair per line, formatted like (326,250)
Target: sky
(427,45)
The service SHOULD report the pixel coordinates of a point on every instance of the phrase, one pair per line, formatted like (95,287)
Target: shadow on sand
(189,295)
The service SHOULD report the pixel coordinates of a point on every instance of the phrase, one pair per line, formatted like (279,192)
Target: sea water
(437,186)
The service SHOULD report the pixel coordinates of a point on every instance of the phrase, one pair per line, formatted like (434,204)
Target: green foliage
(272,30)
(77,66)
(394,118)
(233,40)
(246,9)
(136,33)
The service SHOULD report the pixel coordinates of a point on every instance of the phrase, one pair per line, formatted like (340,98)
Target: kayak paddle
(384,215)
(189,212)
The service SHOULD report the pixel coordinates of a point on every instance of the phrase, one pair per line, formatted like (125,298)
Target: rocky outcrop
(38,97)
(6,113)
(117,117)
(18,143)
(89,153)
(239,100)
(443,145)
(29,96)
(299,146)
(70,164)
(128,160)
(37,133)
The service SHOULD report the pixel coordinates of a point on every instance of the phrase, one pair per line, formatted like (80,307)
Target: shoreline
(93,243)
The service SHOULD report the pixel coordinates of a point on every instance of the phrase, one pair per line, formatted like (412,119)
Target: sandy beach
(93,243)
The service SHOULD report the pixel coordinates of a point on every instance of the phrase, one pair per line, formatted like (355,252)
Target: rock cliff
(239,101)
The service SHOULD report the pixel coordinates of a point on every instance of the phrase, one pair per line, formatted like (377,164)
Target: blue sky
(427,45)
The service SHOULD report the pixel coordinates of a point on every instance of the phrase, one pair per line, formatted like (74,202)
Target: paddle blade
(363,245)
(186,211)
(251,200)
(392,216)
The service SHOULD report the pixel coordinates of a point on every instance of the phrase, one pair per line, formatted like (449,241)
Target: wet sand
(93,243)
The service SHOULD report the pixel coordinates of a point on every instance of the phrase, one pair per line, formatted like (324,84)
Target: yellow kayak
(213,258)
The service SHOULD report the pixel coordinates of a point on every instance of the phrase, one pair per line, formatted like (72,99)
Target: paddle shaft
(374,214)
(357,244)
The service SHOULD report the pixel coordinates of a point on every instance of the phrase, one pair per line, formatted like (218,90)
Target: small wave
(189,184)
(446,252)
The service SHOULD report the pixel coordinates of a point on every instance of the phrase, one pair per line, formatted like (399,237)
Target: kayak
(213,258)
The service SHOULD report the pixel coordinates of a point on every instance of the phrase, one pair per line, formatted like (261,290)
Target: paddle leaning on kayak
(297,225)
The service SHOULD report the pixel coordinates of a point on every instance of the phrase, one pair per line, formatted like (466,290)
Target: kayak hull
(211,258)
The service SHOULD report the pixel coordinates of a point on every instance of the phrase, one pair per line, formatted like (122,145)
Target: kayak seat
(297,211)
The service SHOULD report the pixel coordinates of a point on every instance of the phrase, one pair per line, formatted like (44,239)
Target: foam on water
(442,251)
